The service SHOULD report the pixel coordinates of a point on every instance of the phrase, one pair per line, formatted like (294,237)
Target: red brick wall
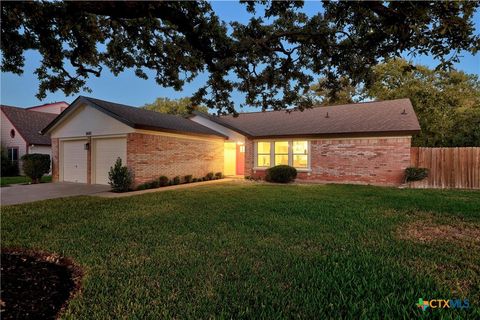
(249,157)
(379,161)
(151,156)
(55,160)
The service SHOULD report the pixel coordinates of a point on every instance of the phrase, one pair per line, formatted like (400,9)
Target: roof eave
(341,134)
(74,105)
(168,130)
(217,121)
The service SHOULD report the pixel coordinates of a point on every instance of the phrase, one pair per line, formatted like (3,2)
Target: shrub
(281,173)
(35,165)
(194,180)
(154,183)
(188,178)
(209,176)
(218,175)
(176,180)
(163,181)
(120,177)
(415,174)
(149,185)
(143,186)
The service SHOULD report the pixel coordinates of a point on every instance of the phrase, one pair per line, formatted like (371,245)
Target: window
(300,154)
(12,133)
(263,154)
(13,154)
(274,153)
(281,152)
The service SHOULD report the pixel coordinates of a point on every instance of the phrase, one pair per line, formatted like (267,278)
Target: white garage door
(74,161)
(106,153)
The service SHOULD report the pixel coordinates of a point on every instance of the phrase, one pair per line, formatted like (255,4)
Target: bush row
(164,181)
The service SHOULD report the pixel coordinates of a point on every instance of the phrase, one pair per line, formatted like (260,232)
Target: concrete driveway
(18,193)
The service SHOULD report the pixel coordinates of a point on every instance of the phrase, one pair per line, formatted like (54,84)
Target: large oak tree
(273,59)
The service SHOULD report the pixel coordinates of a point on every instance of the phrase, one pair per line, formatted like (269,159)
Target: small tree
(120,177)
(35,165)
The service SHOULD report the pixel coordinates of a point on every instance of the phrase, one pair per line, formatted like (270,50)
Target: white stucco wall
(87,119)
(232,135)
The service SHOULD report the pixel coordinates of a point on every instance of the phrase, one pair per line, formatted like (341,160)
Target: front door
(230,156)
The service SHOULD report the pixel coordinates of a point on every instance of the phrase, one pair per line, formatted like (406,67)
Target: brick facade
(55,160)
(151,156)
(379,161)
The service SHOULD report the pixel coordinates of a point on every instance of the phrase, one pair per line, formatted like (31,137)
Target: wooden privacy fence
(448,167)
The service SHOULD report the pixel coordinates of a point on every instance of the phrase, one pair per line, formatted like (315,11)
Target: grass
(258,251)
(5,181)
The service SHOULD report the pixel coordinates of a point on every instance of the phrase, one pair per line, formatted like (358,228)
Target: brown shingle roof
(393,116)
(141,118)
(29,123)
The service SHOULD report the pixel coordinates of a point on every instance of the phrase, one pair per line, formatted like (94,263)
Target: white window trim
(290,154)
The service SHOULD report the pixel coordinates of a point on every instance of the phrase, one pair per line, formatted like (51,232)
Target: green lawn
(5,181)
(260,251)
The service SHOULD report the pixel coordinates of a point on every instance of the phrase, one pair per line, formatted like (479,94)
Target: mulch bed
(36,285)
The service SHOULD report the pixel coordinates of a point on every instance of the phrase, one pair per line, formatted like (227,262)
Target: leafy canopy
(272,60)
(180,106)
(447,103)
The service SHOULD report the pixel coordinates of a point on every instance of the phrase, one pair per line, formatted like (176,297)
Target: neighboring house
(20,129)
(55,107)
(356,143)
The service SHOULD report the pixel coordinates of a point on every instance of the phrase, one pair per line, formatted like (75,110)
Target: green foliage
(120,177)
(9,168)
(182,106)
(447,103)
(281,174)
(415,174)
(35,165)
(188,178)
(163,181)
(271,60)
(176,180)
(149,185)
(5,181)
(218,175)
(209,176)
(330,94)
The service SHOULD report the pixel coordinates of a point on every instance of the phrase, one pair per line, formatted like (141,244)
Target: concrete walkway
(20,193)
(177,187)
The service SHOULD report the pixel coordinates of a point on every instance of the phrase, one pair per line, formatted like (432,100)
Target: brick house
(358,143)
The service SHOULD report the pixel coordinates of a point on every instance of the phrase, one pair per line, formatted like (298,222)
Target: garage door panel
(106,153)
(74,158)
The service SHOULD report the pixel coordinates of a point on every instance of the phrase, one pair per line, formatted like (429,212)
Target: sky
(130,90)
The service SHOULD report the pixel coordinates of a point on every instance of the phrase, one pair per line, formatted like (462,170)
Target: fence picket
(448,167)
